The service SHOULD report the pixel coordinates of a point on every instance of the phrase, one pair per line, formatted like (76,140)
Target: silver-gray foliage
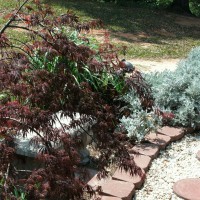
(140,122)
(179,91)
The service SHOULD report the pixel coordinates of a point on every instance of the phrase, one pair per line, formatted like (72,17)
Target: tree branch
(12,18)
(28,29)
(60,122)
(93,139)
(6,177)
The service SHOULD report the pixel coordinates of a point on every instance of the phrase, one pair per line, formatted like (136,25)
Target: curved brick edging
(122,185)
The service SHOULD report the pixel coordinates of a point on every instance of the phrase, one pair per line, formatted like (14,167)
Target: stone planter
(27,152)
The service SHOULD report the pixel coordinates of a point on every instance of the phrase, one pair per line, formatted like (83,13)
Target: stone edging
(122,186)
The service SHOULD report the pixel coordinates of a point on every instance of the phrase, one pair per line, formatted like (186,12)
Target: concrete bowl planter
(26,151)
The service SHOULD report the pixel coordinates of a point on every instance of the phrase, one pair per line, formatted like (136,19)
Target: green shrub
(195,7)
(104,81)
(161,3)
(179,91)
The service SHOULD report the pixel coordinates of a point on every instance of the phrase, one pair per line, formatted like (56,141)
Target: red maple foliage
(33,95)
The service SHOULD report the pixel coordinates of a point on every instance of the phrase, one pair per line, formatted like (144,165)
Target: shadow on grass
(148,25)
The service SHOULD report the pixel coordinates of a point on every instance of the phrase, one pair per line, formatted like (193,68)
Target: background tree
(181,5)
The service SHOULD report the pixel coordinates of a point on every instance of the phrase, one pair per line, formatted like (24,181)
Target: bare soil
(187,21)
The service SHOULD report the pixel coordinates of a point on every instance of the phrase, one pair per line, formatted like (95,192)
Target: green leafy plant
(195,7)
(100,80)
(19,194)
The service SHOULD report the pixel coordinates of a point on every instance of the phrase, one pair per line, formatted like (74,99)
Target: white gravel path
(177,162)
(155,65)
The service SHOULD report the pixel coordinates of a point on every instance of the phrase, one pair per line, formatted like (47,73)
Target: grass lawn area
(148,33)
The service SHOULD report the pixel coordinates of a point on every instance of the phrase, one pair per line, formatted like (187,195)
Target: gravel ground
(155,65)
(177,162)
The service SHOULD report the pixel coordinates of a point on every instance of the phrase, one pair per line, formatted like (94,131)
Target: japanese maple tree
(54,73)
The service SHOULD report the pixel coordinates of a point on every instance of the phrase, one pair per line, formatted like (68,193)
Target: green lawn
(148,33)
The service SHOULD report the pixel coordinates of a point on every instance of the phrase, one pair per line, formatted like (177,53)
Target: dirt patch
(130,37)
(2,13)
(126,36)
(187,21)
(21,24)
(164,32)
(145,44)
(123,38)
(98,34)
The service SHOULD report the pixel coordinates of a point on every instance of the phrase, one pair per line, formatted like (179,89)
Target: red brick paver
(142,161)
(146,149)
(120,189)
(102,197)
(95,182)
(121,186)
(188,189)
(125,176)
(174,133)
(159,139)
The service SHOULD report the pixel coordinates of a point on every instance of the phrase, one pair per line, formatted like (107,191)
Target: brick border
(121,185)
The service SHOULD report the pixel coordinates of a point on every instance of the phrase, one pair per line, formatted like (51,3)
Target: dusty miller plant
(178,91)
(140,121)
